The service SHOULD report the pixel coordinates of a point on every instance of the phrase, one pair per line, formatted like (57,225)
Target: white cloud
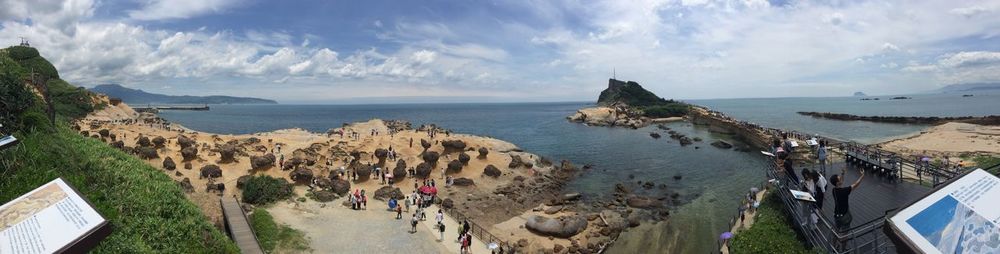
(889,47)
(179,9)
(970,11)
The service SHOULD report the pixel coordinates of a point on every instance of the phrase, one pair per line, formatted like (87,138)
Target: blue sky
(329,51)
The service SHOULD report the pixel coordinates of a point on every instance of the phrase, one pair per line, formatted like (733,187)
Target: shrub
(770,233)
(16,98)
(22,52)
(668,110)
(34,121)
(69,100)
(266,189)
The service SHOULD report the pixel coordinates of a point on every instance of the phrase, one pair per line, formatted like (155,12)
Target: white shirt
(439,217)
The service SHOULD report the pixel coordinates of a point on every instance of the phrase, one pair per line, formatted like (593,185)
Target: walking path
(451,232)
(749,217)
(338,229)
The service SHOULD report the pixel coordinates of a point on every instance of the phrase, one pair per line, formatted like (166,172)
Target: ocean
(713,180)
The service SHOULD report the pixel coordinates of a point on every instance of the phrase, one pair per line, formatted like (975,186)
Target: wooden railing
(480,232)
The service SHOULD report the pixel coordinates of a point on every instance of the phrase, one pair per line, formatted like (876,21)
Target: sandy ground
(322,148)
(950,139)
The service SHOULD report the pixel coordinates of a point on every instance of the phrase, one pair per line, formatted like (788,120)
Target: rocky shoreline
(933,120)
(613,115)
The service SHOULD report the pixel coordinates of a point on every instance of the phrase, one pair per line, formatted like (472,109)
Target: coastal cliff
(628,104)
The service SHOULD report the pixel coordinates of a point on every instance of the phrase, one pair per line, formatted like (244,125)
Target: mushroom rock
(399,172)
(323,183)
(186,185)
(104,133)
(425,144)
(483,152)
(85,133)
(431,157)
(462,181)
(340,186)
(189,153)
(453,145)
(143,142)
(454,166)
(261,162)
(381,154)
(169,164)
(227,153)
(363,173)
(562,227)
(242,181)
(146,152)
(423,170)
(491,170)
(187,165)
(118,144)
(159,141)
(184,141)
(464,158)
(387,192)
(447,203)
(302,175)
(515,161)
(211,171)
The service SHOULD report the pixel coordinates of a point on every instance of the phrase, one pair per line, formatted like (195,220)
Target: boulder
(454,166)
(187,165)
(211,171)
(642,202)
(387,192)
(227,153)
(654,135)
(301,175)
(483,152)
(184,141)
(562,227)
(515,161)
(423,170)
(430,157)
(324,195)
(262,162)
(186,185)
(118,144)
(146,152)
(491,170)
(144,142)
(169,164)
(104,133)
(240,182)
(340,186)
(447,203)
(462,181)
(722,144)
(323,183)
(364,173)
(189,153)
(158,141)
(425,144)
(399,172)
(453,145)
(464,158)
(211,186)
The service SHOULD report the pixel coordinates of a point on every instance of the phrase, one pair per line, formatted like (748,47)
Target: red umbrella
(434,190)
(425,189)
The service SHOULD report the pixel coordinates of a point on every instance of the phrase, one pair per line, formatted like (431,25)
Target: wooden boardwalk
(874,195)
(238,227)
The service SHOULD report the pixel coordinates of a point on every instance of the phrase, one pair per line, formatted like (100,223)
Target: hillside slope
(136,97)
(147,210)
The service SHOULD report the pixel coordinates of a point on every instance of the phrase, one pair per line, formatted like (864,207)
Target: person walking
(821,154)
(399,211)
(820,189)
(841,199)
(413,224)
(441,229)
(439,217)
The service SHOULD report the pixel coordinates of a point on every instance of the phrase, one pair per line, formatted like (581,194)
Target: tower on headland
(24,42)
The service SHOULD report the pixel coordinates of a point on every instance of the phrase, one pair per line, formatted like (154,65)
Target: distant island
(628,104)
(136,97)
(859,94)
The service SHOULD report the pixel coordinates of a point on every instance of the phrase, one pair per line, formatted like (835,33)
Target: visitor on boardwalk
(821,156)
(441,229)
(820,193)
(841,199)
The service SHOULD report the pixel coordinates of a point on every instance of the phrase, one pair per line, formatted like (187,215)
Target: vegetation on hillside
(148,211)
(667,110)
(632,94)
(770,232)
(274,236)
(264,189)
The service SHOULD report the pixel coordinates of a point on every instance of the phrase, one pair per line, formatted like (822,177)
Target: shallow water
(713,179)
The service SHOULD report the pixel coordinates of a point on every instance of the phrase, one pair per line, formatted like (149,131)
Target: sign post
(53,218)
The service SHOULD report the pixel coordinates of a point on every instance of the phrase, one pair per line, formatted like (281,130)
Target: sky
(306,51)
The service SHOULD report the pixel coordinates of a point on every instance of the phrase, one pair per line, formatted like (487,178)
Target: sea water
(712,180)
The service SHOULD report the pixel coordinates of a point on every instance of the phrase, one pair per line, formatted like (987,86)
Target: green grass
(770,233)
(148,210)
(984,161)
(273,236)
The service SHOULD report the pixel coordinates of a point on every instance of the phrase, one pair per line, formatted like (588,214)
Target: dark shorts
(843,221)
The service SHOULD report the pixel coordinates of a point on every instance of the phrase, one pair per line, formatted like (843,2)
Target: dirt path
(748,221)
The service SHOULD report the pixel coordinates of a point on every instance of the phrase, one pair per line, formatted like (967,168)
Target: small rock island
(627,104)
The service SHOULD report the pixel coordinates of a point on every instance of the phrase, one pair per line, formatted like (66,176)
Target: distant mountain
(136,96)
(630,93)
(968,88)
(860,94)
